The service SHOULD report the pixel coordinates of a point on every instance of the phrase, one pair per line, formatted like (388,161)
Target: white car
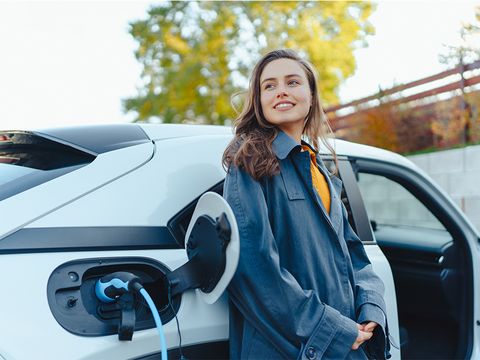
(79,203)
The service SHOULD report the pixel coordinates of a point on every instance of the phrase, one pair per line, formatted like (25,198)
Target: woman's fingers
(361,338)
(370,326)
(365,332)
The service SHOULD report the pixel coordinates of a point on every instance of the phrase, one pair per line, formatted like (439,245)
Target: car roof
(342,147)
(100,138)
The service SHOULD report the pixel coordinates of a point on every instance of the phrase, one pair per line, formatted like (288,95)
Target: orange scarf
(318,180)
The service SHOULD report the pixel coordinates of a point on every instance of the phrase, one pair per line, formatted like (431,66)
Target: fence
(414,116)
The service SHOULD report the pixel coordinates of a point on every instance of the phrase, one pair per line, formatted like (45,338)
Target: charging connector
(113,286)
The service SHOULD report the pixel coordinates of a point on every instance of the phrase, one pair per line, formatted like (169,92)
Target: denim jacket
(303,280)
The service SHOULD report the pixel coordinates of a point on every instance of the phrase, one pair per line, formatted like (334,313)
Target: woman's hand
(365,332)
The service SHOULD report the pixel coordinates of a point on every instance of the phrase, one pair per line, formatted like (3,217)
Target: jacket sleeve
(369,291)
(294,319)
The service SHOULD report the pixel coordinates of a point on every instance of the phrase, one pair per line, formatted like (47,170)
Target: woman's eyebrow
(286,76)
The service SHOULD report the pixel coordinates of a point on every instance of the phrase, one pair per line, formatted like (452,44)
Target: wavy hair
(251,147)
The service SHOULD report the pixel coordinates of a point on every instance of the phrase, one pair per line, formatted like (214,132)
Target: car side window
(28,160)
(389,204)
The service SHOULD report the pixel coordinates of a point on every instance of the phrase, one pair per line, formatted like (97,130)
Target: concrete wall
(388,202)
(457,171)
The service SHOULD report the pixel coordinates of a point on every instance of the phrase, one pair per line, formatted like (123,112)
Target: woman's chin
(287,121)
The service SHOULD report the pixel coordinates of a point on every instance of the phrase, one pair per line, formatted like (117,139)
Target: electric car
(80,203)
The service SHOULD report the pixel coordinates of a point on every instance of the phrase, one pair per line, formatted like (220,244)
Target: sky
(70,63)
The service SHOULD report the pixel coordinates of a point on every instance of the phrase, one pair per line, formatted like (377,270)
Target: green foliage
(195,55)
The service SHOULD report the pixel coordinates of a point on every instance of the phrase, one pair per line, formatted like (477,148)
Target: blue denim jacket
(303,280)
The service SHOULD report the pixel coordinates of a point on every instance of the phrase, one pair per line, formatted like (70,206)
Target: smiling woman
(285,96)
(304,286)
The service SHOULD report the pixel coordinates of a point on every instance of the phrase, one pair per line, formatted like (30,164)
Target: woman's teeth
(281,106)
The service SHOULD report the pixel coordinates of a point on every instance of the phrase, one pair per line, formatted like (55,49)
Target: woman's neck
(293,132)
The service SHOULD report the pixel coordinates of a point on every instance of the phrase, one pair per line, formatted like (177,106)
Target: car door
(433,252)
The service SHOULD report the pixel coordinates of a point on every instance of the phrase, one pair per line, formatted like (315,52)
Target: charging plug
(110,287)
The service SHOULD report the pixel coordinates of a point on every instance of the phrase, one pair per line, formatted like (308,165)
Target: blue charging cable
(158,322)
(110,287)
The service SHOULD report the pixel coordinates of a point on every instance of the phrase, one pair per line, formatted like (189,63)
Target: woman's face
(285,95)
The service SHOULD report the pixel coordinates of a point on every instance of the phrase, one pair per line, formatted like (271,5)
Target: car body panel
(32,330)
(184,163)
(52,195)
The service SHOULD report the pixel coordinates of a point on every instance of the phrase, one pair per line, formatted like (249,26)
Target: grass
(435,149)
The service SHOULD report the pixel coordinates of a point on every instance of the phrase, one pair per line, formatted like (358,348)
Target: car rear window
(28,160)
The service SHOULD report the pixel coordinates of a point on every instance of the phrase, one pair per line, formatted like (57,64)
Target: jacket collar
(318,160)
(283,144)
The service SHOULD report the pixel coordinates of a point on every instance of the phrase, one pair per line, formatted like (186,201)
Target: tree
(468,49)
(465,52)
(195,55)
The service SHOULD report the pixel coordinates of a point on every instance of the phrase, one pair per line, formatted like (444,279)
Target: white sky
(65,63)
(409,37)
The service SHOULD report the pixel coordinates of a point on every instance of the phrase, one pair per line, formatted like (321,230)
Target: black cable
(176,319)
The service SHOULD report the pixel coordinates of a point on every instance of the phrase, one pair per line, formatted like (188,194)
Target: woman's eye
(293,82)
(269,86)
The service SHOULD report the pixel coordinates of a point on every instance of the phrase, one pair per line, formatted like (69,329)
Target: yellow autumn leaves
(195,55)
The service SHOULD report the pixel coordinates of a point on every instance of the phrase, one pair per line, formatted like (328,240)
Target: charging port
(71,290)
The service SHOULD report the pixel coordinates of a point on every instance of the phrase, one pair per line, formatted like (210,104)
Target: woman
(304,287)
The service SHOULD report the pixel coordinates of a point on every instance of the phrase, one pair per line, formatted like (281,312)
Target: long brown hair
(251,147)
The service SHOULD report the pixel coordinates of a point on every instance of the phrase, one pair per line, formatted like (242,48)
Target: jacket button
(311,353)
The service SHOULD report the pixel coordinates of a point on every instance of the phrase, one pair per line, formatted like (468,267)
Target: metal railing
(357,107)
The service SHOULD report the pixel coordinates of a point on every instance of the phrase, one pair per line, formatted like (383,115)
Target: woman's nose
(282,92)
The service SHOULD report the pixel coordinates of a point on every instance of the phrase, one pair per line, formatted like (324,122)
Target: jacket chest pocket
(293,185)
